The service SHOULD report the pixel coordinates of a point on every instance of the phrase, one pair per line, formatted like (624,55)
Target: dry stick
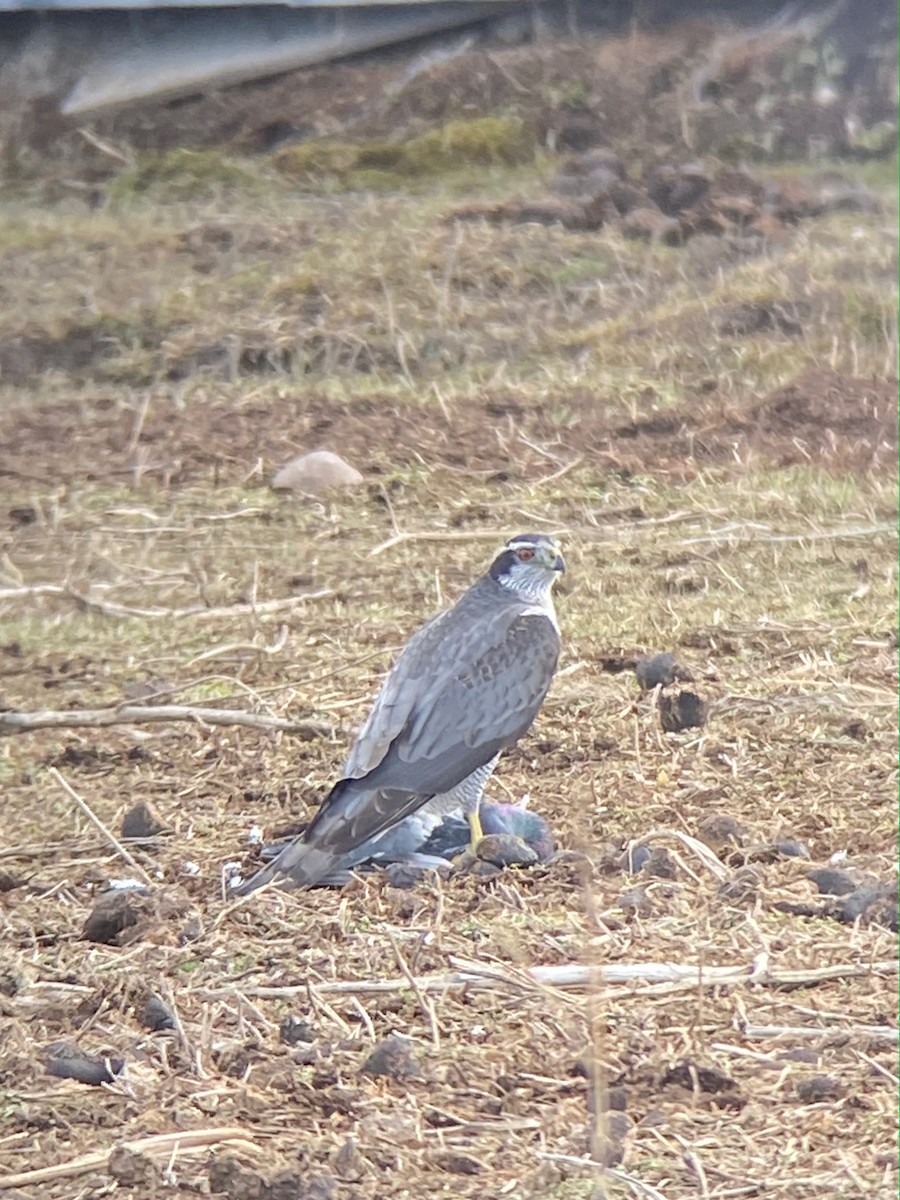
(108,609)
(92,816)
(159,1144)
(139,714)
(479,976)
(763,1033)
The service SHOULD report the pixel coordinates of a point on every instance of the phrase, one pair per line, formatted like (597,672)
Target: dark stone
(66,1061)
(393,1059)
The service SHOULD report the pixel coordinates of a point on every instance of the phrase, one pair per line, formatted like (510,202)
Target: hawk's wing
(478,698)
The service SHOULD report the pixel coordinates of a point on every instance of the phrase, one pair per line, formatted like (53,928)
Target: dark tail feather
(298,865)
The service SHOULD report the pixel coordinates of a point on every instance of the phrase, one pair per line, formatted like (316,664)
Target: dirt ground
(711,427)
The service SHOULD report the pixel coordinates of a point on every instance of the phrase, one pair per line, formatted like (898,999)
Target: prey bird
(466,686)
(430,841)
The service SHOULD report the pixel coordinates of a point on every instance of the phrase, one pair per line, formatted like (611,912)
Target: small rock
(660,864)
(294,1029)
(818,1089)
(618,1125)
(741,888)
(791,848)
(685,710)
(635,902)
(656,671)
(132,1170)
(66,1061)
(306,1055)
(142,821)
(720,832)
(113,913)
(155,1014)
(868,902)
(315,473)
(633,858)
(831,882)
(392,1058)
(709,1080)
(459,1164)
(348,1162)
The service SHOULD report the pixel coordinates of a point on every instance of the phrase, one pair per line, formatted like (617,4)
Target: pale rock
(317,472)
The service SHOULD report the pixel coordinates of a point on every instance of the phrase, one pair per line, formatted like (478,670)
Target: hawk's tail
(298,865)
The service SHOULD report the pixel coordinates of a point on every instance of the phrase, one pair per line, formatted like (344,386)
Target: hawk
(466,686)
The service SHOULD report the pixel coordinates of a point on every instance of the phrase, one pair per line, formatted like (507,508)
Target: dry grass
(161,360)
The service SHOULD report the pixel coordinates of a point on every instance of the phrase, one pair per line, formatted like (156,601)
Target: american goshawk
(466,686)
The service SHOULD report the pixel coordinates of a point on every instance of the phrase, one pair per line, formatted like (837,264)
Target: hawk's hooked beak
(559,564)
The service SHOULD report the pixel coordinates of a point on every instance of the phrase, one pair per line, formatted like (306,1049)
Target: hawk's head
(528,563)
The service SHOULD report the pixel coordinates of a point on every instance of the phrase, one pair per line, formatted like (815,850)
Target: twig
(476,976)
(155,714)
(800,1033)
(158,1145)
(92,816)
(108,609)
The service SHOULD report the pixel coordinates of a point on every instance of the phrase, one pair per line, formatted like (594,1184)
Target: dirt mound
(818,85)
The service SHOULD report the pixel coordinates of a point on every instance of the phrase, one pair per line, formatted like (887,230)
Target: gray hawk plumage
(467,685)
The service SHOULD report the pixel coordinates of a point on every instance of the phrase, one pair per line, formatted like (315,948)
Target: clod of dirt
(635,902)
(659,670)
(873,903)
(315,473)
(720,832)
(22,516)
(132,1170)
(66,1061)
(115,912)
(230,1177)
(818,1089)
(618,1125)
(741,888)
(505,850)
(710,1080)
(349,1163)
(294,1029)
(155,1014)
(458,1164)
(392,1058)
(686,710)
(660,864)
(674,189)
(142,821)
(832,882)
(650,225)
(9,882)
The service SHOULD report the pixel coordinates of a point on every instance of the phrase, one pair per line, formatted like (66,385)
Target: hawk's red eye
(526,554)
